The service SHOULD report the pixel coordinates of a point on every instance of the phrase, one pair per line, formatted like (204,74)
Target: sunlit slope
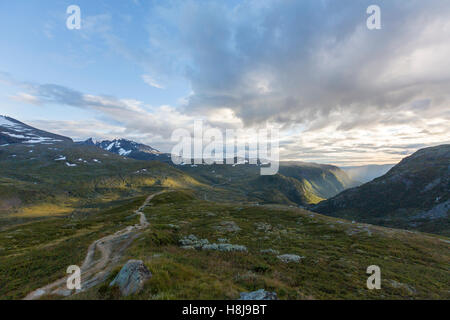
(40,180)
(296,183)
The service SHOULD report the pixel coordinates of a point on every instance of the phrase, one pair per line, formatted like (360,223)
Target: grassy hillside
(335,255)
(47,180)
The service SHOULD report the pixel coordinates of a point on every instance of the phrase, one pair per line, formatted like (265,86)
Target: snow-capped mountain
(128,148)
(13,131)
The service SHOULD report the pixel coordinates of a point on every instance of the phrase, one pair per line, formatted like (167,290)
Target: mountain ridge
(414,194)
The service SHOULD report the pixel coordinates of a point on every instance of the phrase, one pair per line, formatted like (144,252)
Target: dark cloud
(298,61)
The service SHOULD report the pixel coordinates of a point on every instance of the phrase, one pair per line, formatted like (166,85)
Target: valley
(215,231)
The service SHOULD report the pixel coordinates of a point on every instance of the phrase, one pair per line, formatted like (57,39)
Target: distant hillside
(129,149)
(297,183)
(367,173)
(414,194)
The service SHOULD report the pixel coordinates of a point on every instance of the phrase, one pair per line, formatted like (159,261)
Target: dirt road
(95,271)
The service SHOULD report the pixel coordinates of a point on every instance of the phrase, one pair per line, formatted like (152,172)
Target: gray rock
(270,251)
(231,247)
(228,226)
(286,258)
(262,226)
(441,210)
(212,246)
(131,277)
(398,285)
(258,295)
(192,242)
(226,247)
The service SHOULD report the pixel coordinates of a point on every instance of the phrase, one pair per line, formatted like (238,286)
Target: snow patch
(123,152)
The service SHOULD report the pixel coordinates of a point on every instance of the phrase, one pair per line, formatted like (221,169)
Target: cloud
(151,82)
(340,92)
(27,98)
(299,61)
(356,139)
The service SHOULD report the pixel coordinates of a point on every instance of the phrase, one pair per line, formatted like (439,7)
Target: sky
(339,92)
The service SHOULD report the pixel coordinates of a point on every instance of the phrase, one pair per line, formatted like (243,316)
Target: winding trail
(95,271)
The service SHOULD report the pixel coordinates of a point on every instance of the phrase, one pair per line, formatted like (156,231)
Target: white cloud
(151,82)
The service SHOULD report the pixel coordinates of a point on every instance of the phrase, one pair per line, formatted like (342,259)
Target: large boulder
(258,295)
(131,277)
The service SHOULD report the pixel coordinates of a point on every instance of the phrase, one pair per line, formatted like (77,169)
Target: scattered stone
(192,242)
(286,258)
(270,251)
(261,226)
(226,247)
(222,240)
(228,226)
(131,277)
(399,285)
(258,295)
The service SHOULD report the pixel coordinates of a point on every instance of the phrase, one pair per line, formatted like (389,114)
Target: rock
(212,246)
(258,295)
(286,258)
(131,277)
(226,247)
(270,251)
(192,242)
(231,247)
(261,226)
(229,226)
(399,285)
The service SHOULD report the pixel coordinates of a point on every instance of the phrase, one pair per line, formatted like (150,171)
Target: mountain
(43,174)
(13,131)
(414,194)
(296,183)
(367,173)
(128,148)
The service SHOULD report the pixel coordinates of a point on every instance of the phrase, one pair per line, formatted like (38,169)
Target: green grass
(334,266)
(36,254)
(34,186)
